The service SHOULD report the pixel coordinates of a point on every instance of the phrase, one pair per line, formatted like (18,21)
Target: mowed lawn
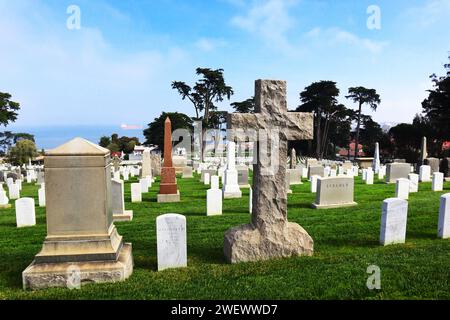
(346,244)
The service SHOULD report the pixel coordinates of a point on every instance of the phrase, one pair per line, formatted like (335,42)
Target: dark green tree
(127,144)
(22,152)
(362,96)
(8,109)
(154,134)
(247,106)
(105,141)
(113,147)
(436,108)
(370,133)
(321,99)
(406,139)
(8,113)
(6,141)
(23,136)
(208,90)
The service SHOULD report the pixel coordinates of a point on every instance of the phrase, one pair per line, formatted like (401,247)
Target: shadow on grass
(421,235)
(207,255)
(350,243)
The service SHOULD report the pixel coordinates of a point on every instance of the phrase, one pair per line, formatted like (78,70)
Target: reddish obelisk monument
(168,191)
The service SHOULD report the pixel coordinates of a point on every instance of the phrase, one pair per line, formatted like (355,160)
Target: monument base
(66,275)
(232,195)
(244,186)
(333,206)
(5,206)
(125,217)
(248,244)
(169,198)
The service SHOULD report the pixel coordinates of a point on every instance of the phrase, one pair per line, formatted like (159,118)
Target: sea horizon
(51,136)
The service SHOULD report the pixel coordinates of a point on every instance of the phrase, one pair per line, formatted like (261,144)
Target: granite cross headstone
(270,235)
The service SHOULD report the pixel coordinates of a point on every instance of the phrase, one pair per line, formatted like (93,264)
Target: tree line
(335,125)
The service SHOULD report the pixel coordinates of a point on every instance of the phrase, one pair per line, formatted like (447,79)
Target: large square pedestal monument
(270,235)
(82,243)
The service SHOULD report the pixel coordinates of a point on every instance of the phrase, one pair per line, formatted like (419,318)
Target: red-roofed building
(344,152)
(446,145)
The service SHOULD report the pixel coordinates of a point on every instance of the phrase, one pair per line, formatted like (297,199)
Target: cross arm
(299,126)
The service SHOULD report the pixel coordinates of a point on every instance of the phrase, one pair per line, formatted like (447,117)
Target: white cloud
(337,36)
(271,20)
(430,13)
(76,77)
(268,19)
(208,45)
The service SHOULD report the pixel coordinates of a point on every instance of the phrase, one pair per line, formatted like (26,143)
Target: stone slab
(57,275)
(169,198)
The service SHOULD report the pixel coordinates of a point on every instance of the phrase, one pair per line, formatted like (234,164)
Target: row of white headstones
(395,210)
(171,228)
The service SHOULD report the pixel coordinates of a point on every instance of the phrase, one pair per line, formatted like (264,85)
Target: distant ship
(131,127)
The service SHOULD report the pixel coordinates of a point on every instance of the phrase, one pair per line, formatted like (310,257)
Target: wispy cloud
(337,36)
(430,13)
(268,19)
(73,75)
(208,45)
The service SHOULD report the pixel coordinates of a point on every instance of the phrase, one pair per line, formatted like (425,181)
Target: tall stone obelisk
(168,191)
(376,159)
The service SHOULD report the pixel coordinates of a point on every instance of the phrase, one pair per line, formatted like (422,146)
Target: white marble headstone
(314,183)
(305,173)
(369,177)
(438,182)
(215,182)
(413,183)
(9,181)
(402,189)
(171,241)
(41,197)
(214,198)
(206,179)
(393,221)
(19,183)
(4,201)
(136,193)
(14,191)
(144,185)
(444,217)
(25,212)
(425,174)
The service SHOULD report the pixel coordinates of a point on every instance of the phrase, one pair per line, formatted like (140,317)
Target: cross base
(248,243)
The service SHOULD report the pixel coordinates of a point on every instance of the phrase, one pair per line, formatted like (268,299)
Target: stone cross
(270,235)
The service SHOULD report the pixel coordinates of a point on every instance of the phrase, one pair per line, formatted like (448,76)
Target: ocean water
(49,137)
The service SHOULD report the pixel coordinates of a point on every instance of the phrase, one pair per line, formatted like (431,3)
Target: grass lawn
(346,243)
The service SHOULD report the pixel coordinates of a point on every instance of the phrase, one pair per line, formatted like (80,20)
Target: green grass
(346,243)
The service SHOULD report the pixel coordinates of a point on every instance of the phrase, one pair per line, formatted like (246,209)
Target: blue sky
(119,66)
